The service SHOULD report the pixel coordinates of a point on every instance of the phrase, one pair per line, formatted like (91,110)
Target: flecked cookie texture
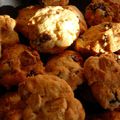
(108,9)
(8,35)
(98,12)
(68,66)
(103,76)
(102,38)
(50,29)
(43,97)
(17,63)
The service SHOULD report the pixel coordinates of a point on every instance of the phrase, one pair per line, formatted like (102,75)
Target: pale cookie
(50,29)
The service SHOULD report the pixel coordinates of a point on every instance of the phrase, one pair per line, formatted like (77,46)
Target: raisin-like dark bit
(43,38)
(106,14)
(31,73)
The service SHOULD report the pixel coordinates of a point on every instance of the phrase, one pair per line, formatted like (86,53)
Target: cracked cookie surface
(102,38)
(68,66)
(43,97)
(103,76)
(50,29)
(17,63)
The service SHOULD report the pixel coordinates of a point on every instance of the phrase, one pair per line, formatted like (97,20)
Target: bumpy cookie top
(68,66)
(17,63)
(102,38)
(50,27)
(42,97)
(103,76)
(62,24)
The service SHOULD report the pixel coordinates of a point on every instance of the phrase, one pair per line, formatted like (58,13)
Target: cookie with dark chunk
(98,12)
(102,38)
(103,76)
(50,29)
(17,63)
(43,97)
(68,66)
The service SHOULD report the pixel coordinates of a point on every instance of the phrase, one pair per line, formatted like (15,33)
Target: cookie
(8,35)
(49,97)
(98,12)
(68,66)
(98,39)
(17,63)
(50,29)
(103,76)
(55,2)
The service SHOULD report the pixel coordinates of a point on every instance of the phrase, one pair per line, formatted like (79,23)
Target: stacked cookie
(51,58)
(41,93)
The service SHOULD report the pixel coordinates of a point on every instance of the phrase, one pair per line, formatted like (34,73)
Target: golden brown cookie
(50,29)
(55,2)
(8,35)
(98,12)
(17,63)
(103,76)
(45,97)
(68,66)
(102,38)
(103,11)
